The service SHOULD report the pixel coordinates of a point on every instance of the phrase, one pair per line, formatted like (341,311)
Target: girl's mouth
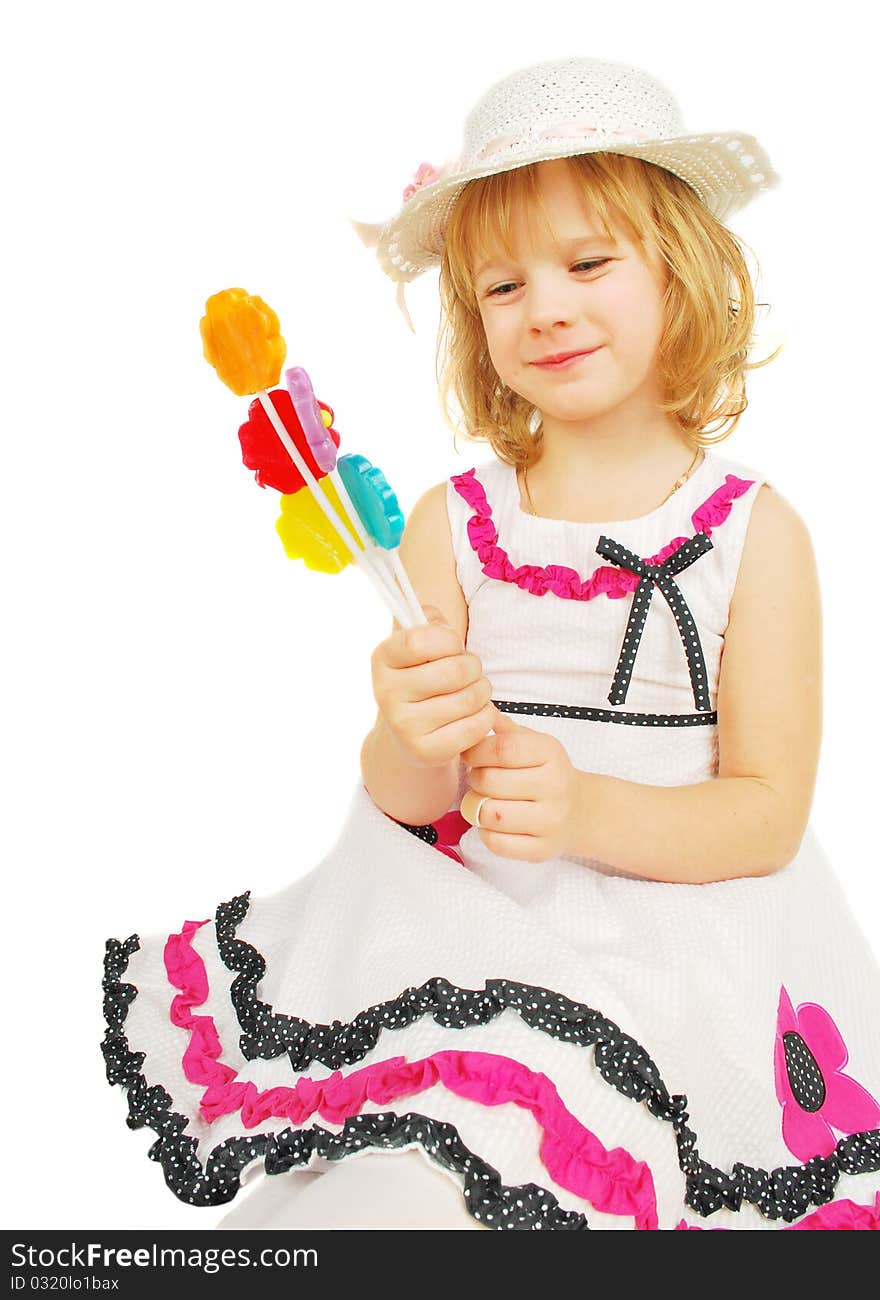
(567,363)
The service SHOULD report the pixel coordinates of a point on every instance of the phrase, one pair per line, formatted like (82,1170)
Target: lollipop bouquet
(335,510)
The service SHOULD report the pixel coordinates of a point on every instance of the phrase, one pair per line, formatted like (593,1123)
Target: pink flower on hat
(426,175)
(815,1095)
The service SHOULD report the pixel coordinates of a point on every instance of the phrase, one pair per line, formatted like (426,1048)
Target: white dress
(570,1046)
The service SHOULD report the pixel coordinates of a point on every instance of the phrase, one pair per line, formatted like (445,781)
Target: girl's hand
(532,788)
(431,693)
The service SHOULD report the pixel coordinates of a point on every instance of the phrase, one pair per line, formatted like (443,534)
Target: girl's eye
(598,261)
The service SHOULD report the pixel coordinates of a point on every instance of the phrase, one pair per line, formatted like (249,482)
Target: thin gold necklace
(676,485)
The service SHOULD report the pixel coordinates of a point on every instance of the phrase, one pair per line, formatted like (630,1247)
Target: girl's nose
(547,323)
(546,320)
(548,306)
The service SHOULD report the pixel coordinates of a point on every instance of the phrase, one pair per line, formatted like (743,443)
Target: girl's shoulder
(775,582)
(487,476)
(771,538)
(771,513)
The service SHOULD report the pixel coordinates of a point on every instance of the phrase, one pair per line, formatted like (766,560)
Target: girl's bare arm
(750,820)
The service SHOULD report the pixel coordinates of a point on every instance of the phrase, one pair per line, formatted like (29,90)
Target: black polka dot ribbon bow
(659,575)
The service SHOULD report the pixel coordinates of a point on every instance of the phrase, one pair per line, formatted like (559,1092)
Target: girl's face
(547,300)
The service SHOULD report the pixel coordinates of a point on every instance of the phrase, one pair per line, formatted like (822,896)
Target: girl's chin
(572,411)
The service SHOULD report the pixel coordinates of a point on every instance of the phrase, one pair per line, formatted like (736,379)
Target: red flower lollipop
(263,451)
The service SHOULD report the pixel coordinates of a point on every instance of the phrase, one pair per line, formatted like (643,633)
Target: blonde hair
(708,304)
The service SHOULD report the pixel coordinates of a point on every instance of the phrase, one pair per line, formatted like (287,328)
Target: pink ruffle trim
(567,583)
(612,1181)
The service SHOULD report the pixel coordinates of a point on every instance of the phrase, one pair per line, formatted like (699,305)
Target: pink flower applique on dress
(815,1095)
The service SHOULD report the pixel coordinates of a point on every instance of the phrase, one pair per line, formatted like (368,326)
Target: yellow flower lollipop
(308,536)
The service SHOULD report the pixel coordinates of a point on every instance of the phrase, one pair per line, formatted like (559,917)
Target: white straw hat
(556,110)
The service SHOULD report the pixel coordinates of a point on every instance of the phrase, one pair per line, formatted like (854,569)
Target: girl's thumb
(435,615)
(502,721)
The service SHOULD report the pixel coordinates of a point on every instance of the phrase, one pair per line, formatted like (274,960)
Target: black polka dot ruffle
(786,1192)
(488,1199)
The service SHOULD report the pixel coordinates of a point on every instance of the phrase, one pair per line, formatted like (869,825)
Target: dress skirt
(570,1048)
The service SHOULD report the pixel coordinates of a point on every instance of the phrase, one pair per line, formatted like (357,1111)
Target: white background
(183,707)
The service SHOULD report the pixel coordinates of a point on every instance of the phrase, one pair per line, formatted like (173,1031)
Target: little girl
(576,959)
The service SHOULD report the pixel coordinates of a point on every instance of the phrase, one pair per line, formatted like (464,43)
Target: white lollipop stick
(389,559)
(403,577)
(374,554)
(311,421)
(395,603)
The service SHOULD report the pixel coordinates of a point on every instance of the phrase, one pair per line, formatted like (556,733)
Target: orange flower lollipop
(241,337)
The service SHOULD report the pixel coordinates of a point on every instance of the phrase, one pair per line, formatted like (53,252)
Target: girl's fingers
(443,710)
(423,644)
(508,816)
(526,749)
(432,681)
(506,782)
(450,739)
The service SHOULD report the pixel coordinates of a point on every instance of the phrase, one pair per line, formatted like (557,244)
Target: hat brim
(725,170)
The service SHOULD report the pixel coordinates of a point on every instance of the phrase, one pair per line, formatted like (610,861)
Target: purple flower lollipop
(308,412)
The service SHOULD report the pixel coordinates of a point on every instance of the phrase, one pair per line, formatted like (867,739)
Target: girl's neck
(596,477)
